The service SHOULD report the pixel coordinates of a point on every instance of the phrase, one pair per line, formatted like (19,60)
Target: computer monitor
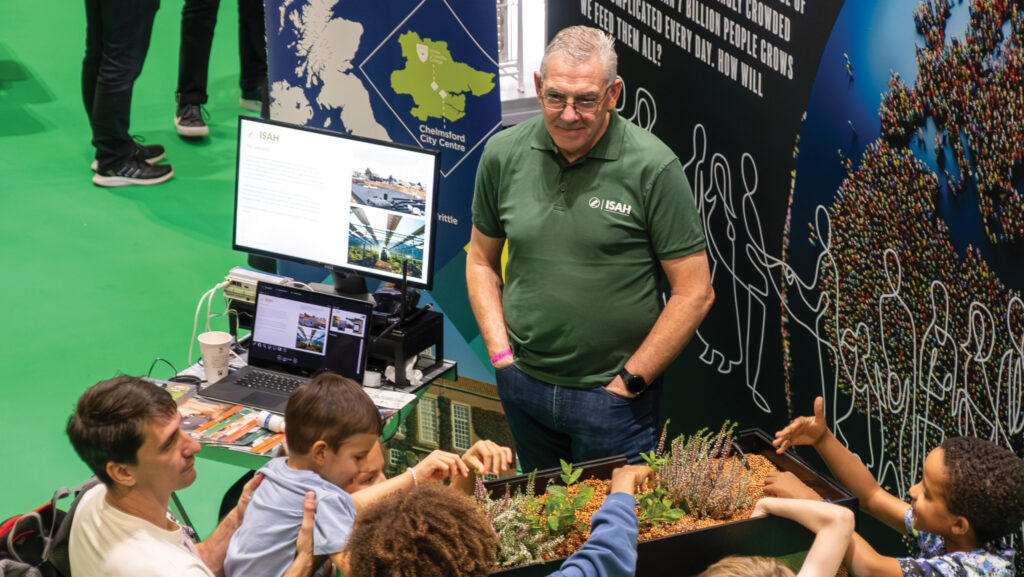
(353,205)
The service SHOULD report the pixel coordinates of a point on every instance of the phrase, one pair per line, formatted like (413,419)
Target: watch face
(635,384)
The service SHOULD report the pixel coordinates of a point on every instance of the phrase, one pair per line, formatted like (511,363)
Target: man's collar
(541,137)
(608,147)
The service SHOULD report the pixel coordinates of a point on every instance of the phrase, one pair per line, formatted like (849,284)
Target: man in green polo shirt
(594,209)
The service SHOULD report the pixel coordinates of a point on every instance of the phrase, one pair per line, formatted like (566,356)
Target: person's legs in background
(252,53)
(93,52)
(117,39)
(198,20)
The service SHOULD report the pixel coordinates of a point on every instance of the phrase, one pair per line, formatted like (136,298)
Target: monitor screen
(346,203)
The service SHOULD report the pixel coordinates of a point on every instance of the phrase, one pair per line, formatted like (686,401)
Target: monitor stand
(346,284)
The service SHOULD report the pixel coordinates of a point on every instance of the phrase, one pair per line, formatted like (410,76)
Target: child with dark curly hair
(971,494)
(432,530)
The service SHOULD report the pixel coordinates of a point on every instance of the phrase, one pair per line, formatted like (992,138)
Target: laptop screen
(303,332)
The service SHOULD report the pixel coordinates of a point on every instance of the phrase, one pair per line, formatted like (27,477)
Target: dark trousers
(198,19)
(117,37)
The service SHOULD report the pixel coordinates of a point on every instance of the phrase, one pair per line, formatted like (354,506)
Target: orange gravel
(759,469)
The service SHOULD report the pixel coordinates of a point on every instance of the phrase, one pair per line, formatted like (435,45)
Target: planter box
(690,553)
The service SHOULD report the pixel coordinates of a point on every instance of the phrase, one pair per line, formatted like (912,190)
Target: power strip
(242,283)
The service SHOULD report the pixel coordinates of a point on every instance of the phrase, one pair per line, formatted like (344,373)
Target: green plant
(655,508)
(701,475)
(653,461)
(560,508)
(569,474)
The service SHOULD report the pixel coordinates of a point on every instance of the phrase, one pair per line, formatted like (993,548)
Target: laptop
(296,334)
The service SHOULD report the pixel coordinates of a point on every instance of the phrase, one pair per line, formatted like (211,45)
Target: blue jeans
(549,422)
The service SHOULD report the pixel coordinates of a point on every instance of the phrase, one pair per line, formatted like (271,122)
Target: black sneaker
(133,171)
(149,153)
(252,99)
(189,121)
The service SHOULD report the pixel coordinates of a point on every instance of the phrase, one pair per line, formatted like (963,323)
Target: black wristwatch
(634,383)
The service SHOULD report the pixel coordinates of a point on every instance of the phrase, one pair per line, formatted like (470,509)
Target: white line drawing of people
(738,263)
(645,109)
(1011,369)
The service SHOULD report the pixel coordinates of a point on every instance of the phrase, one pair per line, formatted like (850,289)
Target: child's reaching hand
(832,525)
(803,430)
(488,457)
(628,478)
(438,466)
(788,485)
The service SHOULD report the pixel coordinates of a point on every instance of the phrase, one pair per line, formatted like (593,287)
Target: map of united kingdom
(437,83)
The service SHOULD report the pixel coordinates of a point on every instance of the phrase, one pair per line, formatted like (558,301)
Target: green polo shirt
(584,241)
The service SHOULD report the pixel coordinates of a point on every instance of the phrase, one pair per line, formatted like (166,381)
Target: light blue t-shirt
(265,543)
(993,559)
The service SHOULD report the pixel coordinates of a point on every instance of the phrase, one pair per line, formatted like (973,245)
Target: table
(431,369)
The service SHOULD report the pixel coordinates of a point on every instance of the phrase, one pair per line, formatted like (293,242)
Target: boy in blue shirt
(332,426)
(971,494)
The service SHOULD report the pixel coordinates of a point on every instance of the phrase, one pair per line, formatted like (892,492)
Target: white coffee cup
(215,347)
(371,379)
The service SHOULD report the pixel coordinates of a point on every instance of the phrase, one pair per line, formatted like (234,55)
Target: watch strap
(629,379)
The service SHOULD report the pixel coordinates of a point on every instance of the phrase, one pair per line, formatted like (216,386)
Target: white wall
(534,39)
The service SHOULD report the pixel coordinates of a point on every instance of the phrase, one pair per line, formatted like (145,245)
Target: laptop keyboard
(268,381)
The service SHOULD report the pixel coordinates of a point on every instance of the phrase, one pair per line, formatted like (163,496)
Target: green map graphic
(437,83)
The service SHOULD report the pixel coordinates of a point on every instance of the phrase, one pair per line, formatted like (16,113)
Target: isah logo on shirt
(611,206)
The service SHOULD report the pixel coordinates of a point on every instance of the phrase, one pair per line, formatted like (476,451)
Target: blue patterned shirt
(992,559)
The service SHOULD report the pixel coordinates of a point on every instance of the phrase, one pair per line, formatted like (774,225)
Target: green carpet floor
(100,281)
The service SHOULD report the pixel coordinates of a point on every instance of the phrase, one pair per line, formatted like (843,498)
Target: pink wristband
(500,355)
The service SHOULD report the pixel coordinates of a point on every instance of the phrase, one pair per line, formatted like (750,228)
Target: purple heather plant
(521,541)
(703,477)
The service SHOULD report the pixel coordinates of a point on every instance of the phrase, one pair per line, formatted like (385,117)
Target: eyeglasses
(557,103)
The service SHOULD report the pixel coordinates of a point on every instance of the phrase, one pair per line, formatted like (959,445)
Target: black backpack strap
(56,551)
(44,522)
